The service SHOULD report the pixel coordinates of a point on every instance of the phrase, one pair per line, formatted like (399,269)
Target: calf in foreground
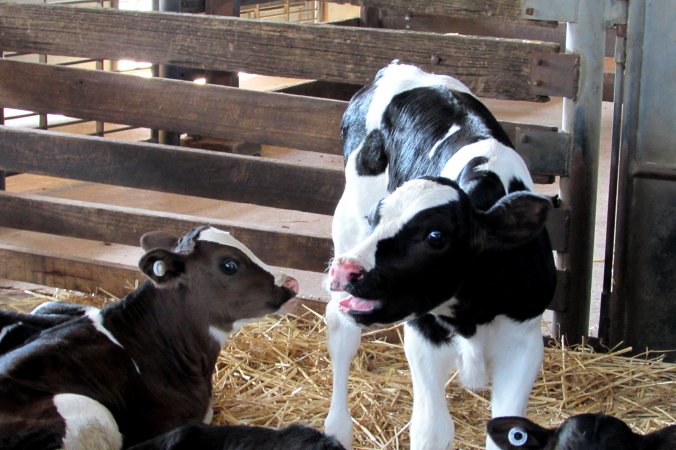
(241,437)
(437,227)
(114,377)
(581,432)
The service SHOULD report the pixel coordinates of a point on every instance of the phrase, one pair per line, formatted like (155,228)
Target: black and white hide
(439,227)
(83,378)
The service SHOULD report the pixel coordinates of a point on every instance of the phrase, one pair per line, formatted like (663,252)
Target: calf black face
(581,432)
(424,239)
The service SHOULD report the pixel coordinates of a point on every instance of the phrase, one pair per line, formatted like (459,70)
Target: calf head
(423,240)
(225,282)
(584,431)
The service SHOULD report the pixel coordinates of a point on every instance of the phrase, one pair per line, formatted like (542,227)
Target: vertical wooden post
(370,17)
(222,8)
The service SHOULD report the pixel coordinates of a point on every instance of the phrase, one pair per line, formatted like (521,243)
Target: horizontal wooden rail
(500,9)
(66,271)
(216,111)
(206,110)
(172,169)
(89,275)
(491,67)
(121,225)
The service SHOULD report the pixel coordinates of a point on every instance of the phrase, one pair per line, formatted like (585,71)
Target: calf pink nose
(342,272)
(291,284)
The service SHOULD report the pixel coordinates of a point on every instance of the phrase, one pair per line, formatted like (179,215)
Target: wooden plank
(508,10)
(88,275)
(558,302)
(558,228)
(491,67)
(276,119)
(208,110)
(67,272)
(121,225)
(177,170)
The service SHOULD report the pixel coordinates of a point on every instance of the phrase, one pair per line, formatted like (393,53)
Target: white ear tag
(517,436)
(159,268)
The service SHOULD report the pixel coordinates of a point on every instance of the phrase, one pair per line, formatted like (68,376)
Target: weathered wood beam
(491,67)
(85,274)
(217,111)
(208,110)
(89,275)
(172,169)
(122,225)
(66,271)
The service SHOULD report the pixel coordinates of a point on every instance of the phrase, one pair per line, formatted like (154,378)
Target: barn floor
(541,113)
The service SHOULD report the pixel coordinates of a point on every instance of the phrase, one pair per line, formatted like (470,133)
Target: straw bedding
(277,371)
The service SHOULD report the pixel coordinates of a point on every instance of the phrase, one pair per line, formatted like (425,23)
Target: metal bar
(604,314)
(653,171)
(582,118)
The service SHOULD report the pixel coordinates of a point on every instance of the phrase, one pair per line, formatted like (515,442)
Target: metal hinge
(567,10)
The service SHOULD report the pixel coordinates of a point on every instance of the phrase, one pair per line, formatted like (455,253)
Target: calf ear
(514,220)
(161,265)
(513,433)
(158,239)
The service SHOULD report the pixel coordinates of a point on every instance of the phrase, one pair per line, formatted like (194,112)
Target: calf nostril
(355,276)
(291,284)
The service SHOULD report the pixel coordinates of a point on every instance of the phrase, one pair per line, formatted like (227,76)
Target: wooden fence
(499,68)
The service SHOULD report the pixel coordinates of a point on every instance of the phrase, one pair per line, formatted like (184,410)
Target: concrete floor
(541,113)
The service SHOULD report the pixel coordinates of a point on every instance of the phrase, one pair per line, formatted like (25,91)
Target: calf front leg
(516,353)
(343,342)
(432,426)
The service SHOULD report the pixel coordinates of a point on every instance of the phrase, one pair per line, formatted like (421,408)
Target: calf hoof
(339,425)
(434,433)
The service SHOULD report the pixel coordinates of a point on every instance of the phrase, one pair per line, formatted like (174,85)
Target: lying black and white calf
(241,437)
(114,377)
(581,432)
(437,227)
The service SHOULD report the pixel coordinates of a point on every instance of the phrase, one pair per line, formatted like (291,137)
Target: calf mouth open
(357,306)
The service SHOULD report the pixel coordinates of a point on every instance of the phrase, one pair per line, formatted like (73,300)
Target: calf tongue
(359,304)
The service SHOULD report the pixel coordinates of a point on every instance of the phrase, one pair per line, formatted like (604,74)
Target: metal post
(620,56)
(582,118)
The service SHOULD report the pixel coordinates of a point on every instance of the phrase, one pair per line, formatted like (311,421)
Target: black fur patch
(372,159)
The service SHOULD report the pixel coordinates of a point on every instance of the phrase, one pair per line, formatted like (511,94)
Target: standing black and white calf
(437,227)
(581,432)
(142,366)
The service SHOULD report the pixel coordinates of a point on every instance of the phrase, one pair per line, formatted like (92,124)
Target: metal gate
(641,310)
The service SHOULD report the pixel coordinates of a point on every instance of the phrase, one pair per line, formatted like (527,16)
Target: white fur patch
(224,238)
(89,424)
(502,160)
(451,131)
(398,209)
(398,78)
(219,335)
(8,328)
(410,199)
(95,316)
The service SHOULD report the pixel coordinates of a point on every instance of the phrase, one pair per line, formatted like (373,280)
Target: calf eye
(229,266)
(517,436)
(436,239)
